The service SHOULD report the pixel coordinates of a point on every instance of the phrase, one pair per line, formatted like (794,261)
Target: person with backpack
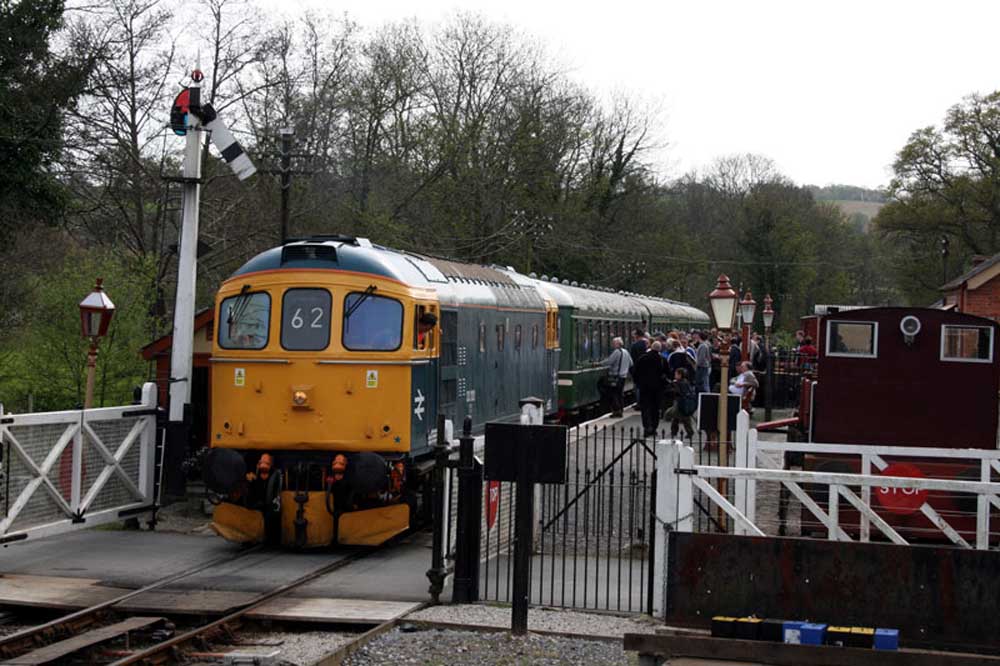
(618,364)
(685,404)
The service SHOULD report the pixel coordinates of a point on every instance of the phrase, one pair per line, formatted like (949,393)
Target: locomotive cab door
(424,377)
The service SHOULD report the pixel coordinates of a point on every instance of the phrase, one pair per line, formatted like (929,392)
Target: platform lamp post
(748,307)
(768,317)
(96,311)
(723,300)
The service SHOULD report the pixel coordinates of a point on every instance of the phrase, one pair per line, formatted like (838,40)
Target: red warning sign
(492,503)
(901,501)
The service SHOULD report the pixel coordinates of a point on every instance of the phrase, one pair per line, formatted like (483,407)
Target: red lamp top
(96,311)
(723,300)
(748,307)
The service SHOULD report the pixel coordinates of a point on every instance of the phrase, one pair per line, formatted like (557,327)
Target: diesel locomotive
(333,357)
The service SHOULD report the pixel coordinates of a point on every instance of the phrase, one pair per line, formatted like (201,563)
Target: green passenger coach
(589,318)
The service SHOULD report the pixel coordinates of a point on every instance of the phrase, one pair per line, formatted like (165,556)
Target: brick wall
(985,301)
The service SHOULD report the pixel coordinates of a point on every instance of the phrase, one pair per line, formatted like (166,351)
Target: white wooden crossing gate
(62,471)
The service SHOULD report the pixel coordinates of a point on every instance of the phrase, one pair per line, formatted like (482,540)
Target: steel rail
(175,642)
(56,627)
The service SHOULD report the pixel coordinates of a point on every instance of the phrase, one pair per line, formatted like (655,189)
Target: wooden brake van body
(893,376)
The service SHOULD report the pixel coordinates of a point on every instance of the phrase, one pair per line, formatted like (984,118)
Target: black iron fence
(592,546)
(781,379)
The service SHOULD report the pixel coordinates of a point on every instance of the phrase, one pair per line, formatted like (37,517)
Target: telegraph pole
(287,135)
(182,348)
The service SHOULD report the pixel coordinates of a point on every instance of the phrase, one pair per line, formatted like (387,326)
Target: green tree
(36,88)
(47,358)
(947,183)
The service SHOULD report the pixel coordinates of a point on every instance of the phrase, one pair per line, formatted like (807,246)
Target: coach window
(517,337)
(534,336)
(245,321)
(852,338)
(501,337)
(372,323)
(305,319)
(482,337)
(967,344)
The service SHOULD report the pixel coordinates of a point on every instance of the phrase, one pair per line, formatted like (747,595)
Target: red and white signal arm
(492,503)
(901,501)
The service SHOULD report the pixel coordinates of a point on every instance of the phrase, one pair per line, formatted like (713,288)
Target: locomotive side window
(245,321)
(305,319)
(852,338)
(372,323)
(968,344)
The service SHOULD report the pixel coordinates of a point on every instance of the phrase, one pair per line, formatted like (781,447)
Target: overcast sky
(829,90)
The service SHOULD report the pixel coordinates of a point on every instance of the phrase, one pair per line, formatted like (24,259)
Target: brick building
(976,292)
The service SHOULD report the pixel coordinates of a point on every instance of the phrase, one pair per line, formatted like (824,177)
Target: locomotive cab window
(245,321)
(967,344)
(424,327)
(305,319)
(372,323)
(852,338)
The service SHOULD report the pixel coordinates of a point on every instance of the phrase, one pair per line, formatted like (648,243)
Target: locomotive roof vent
(910,326)
(309,252)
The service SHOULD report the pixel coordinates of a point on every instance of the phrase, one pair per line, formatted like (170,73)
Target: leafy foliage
(946,186)
(36,87)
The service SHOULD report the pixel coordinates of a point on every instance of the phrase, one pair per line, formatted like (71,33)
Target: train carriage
(333,358)
(903,377)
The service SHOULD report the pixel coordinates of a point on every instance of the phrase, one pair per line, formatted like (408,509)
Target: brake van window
(305,319)
(372,323)
(245,321)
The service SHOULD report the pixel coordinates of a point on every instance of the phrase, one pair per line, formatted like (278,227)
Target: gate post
(469,519)
(437,573)
(674,509)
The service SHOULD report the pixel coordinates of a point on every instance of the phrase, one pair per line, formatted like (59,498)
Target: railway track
(66,638)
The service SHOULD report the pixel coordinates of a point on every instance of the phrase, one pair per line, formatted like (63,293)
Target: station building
(976,292)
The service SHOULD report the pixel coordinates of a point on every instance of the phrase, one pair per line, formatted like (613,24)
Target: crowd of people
(669,371)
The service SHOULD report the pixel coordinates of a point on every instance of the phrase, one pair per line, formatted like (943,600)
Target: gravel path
(434,647)
(298,648)
(539,619)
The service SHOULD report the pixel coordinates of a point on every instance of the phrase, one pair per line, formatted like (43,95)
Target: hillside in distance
(859,204)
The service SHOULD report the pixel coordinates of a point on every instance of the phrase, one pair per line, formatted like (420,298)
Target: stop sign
(901,501)
(492,503)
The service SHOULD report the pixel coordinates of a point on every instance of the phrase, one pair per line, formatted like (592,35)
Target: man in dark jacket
(649,371)
(640,343)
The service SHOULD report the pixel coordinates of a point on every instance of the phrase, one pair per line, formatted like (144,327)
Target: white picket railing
(74,469)
(681,480)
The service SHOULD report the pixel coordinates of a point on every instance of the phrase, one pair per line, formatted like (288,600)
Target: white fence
(74,469)
(739,492)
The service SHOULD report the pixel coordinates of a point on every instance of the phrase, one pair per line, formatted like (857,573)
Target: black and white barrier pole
(525,453)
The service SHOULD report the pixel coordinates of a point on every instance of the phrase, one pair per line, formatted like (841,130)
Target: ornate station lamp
(748,307)
(96,311)
(768,317)
(723,300)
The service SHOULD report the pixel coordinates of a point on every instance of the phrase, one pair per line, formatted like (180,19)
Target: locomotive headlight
(300,398)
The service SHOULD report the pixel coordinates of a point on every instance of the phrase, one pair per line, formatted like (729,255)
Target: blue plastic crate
(792,632)
(813,634)
(887,639)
